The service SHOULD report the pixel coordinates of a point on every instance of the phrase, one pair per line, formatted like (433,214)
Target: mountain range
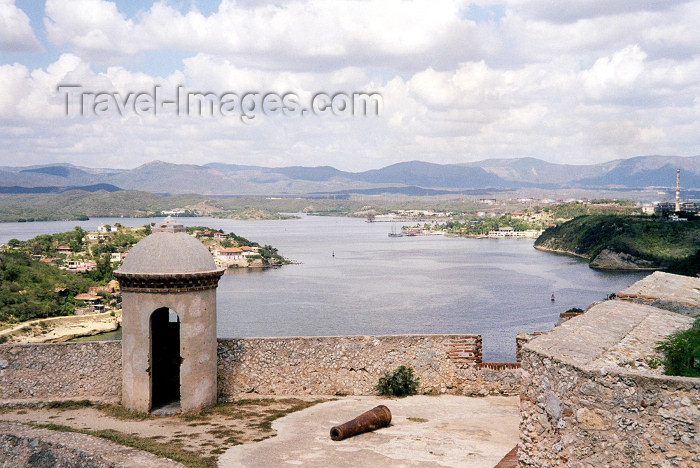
(413,177)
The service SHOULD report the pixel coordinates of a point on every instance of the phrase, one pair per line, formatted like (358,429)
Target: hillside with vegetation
(27,288)
(46,276)
(627,242)
(80,205)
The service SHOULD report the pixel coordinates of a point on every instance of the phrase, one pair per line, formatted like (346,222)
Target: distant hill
(405,177)
(54,189)
(649,171)
(76,204)
(425,174)
(410,190)
(536,171)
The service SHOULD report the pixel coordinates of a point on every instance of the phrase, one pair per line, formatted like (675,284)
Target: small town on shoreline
(90,290)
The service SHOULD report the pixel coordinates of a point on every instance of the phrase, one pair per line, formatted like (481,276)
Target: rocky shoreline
(609,259)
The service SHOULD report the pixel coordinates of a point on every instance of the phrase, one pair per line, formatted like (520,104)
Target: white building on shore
(509,232)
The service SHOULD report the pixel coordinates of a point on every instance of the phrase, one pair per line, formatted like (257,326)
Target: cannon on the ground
(375,418)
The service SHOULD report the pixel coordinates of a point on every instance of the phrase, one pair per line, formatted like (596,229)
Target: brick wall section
(564,316)
(466,349)
(499,365)
(352,365)
(81,370)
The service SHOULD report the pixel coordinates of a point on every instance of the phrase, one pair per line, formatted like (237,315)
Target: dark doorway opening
(165,358)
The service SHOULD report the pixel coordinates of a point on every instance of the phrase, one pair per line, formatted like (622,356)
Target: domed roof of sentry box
(169,250)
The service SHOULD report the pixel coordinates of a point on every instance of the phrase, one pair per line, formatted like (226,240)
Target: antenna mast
(678,190)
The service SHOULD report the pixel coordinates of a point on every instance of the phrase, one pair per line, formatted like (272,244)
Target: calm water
(381,285)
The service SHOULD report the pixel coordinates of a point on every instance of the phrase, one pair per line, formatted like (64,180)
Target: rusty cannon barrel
(375,418)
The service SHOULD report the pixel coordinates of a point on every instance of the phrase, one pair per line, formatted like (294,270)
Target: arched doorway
(165,358)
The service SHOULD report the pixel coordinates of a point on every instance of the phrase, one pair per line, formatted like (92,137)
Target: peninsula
(616,242)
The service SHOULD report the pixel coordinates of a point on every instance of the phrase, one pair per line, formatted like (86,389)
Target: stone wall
(591,396)
(675,293)
(349,365)
(352,365)
(80,370)
(521,339)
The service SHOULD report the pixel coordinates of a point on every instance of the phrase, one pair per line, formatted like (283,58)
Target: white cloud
(567,12)
(294,34)
(570,85)
(16,34)
(617,74)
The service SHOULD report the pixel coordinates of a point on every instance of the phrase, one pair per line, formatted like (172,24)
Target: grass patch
(681,352)
(418,420)
(233,410)
(298,405)
(222,432)
(119,412)
(400,383)
(68,404)
(258,401)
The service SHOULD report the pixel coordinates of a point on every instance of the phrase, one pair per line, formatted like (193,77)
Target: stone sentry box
(168,283)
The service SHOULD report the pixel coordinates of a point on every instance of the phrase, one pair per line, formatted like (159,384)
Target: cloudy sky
(569,82)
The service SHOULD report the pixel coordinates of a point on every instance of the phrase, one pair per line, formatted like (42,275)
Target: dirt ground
(425,431)
(194,439)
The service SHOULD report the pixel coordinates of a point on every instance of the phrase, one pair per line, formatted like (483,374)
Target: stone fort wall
(591,395)
(352,365)
(47,371)
(308,365)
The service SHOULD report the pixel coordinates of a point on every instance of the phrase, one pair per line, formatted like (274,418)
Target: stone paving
(426,431)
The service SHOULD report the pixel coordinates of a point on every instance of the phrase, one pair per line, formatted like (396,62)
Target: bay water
(352,279)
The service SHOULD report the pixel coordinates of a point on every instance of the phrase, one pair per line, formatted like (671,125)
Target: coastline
(64,328)
(562,252)
(607,260)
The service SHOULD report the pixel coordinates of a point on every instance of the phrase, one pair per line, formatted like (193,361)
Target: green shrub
(575,309)
(681,352)
(399,383)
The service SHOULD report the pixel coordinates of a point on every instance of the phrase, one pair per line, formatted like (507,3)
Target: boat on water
(393,232)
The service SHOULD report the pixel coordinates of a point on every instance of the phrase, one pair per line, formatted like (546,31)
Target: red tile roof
(86,297)
(230,250)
